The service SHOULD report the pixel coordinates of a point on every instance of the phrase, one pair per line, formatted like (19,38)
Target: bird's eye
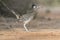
(34,7)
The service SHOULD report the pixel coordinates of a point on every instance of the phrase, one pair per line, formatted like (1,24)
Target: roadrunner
(26,18)
(30,15)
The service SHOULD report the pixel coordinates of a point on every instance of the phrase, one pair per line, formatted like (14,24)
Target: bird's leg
(26,27)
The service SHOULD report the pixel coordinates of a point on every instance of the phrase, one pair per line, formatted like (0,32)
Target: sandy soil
(48,34)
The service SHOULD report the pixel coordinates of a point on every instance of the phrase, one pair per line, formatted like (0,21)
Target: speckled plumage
(26,18)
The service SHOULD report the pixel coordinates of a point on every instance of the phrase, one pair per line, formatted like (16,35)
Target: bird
(30,15)
(26,18)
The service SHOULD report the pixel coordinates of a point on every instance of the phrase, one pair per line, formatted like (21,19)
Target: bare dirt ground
(19,35)
(40,28)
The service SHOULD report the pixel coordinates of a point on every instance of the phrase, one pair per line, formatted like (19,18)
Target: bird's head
(35,7)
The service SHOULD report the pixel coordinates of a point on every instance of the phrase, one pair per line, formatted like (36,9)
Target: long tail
(17,16)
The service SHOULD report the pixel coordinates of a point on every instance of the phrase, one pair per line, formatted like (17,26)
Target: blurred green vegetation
(49,2)
(21,6)
(45,2)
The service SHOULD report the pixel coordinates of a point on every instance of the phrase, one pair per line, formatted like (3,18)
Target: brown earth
(48,34)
